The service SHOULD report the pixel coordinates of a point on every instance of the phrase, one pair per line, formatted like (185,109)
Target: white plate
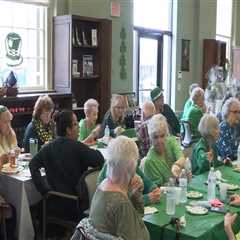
(194,195)
(196,210)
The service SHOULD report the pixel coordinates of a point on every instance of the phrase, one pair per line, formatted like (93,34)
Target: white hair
(89,105)
(226,106)
(196,94)
(192,87)
(148,108)
(122,156)
(158,124)
(208,123)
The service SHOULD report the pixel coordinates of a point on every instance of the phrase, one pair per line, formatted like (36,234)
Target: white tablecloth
(20,191)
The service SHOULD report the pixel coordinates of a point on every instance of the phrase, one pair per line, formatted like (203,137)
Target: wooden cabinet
(22,107)
(82,58)
(214,53)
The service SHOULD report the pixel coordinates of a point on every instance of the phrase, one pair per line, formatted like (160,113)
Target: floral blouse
(227,144)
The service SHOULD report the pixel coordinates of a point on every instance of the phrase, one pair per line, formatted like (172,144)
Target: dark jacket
(64,161)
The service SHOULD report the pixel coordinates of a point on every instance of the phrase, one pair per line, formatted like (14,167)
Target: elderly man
(148,110)
(163,108)
(227,144)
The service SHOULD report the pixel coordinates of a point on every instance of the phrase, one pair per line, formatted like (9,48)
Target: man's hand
(154,196)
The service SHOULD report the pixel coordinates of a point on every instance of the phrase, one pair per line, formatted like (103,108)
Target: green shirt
(113,212)
(199,158)
(148,184)
(84,132)
(187,105)
(193,115)
(158,167)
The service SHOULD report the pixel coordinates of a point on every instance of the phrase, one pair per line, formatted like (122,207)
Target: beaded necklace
(45,133)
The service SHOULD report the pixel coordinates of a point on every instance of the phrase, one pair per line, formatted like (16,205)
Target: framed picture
(185,55)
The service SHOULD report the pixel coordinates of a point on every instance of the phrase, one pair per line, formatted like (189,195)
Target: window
(152,47)
(224,24)
(23,43)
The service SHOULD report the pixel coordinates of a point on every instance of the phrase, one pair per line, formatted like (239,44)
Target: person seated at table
(205,152)
(229,218)
(227,144)
(148,110)
(64,159)
(114,118)
(41,126)
(226,97)
(195,111)
(88,130)
(164,153)
(189,101)
(151,192)
(112,211)
(163,108)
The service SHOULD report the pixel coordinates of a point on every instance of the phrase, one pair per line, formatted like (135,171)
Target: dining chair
(187,138)
(58,220)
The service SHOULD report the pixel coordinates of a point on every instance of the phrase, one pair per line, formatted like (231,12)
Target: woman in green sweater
(164,153)
(205,151)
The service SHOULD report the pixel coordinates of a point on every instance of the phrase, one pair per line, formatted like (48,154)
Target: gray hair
(208,123)
(89,105)
(226,106)
(122,155)
(196,94)
(158,124)
(192,87)
(148,108)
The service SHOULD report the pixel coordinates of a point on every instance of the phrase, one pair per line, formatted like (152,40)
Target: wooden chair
(68,224)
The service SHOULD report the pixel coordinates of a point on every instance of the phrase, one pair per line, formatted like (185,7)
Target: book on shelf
(75,72)
(87,65)
(94,37)
(85,42)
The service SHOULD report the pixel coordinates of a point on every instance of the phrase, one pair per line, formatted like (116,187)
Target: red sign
(115,9)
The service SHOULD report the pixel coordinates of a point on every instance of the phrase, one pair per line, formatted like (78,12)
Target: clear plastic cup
(170,201)
(177,192)
(33,146)
(223,187)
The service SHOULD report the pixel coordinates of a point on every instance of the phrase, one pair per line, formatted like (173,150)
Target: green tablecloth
(203,227)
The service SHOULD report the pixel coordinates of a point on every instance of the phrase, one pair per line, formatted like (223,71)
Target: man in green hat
(163,108)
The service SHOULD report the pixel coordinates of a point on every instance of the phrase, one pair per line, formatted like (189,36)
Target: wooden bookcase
(214,52)
(22,107)
(83,45)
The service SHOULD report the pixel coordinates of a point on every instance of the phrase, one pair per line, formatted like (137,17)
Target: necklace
(45,133)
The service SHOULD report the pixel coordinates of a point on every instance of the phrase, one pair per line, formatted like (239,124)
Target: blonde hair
(115,99)
(122,155)
(158,124)
(89,105)
(43,103)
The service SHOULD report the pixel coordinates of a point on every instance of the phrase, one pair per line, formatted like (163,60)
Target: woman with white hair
(164,153)
(195,111)
(115,117)
(205,151)
(227,144)
(88,130)
(111,209)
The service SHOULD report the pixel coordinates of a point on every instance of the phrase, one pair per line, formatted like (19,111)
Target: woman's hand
(136,186)
(118,130)
(210,156)
(3,159)
(228,222)
(154,196)
(235,200)
(176,170)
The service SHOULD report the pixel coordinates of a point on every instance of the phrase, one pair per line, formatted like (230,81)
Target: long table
(204,227)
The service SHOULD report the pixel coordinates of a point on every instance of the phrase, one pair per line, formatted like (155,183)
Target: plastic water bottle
(107,131)
(183,185)
(238,153)
(211,184)
(188,165)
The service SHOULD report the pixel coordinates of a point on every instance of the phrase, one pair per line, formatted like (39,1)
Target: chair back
(186,134)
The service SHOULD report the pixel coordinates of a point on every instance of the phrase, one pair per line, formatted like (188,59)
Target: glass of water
(170,201)
(33,146)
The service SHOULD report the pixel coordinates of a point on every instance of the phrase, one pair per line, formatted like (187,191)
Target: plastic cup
(223,187)
(170,201)
(177,192)
(33,146)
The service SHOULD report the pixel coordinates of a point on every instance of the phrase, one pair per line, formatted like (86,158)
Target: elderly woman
(195,111)
(42,126)
(227,144)
(88,130)
(205,151)
(112,211)
(164,153)
(114,118)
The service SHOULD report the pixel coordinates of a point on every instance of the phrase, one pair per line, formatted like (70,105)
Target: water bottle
(33,146)
(107,131)
(188,165)
(183,185)
(238,153)
(211,184)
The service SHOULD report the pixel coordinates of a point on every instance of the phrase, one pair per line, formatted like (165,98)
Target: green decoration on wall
(123,50)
